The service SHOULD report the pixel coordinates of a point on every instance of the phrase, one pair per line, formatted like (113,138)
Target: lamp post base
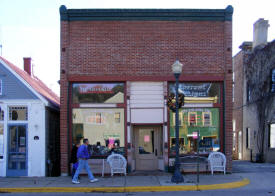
(177,177)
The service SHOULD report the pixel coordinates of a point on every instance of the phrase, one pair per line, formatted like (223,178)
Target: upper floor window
(18,113)
(272,86)
(192,118)
(248,93)
(206,119)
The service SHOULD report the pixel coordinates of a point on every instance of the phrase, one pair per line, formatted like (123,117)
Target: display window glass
(204,120)
(103,127)
(98,93)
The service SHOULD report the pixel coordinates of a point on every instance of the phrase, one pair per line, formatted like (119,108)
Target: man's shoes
(94,180)
(75,182)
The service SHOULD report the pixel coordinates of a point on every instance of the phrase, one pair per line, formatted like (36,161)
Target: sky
(31,28)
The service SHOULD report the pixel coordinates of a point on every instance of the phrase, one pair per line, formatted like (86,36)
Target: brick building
(116,77)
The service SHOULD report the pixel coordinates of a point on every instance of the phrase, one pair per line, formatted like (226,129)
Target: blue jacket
(83,152)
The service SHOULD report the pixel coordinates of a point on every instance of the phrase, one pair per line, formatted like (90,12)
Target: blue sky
(31,28)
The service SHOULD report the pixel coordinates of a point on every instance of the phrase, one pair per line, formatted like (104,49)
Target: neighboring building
(253,113)
(29,123)
(116,78)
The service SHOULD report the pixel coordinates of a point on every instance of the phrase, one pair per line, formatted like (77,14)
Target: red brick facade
(145,50)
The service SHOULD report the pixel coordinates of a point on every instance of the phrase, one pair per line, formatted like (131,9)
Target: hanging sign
(195,135)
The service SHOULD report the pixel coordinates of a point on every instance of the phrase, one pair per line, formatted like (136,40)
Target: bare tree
(258,67)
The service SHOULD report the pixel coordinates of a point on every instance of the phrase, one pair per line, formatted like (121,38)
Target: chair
(117,163)
(217,162)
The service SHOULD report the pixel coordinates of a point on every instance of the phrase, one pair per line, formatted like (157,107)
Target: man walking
(83,156)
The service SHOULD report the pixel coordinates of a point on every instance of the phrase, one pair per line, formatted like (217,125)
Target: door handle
(156,152)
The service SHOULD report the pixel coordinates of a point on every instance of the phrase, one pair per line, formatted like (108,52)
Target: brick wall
(134,50)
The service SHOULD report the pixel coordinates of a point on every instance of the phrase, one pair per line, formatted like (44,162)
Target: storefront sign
(146,138)
(98,93)
(195,135)
(91,88)
(197,89)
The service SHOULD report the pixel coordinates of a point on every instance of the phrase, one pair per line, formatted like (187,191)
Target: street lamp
(177,177)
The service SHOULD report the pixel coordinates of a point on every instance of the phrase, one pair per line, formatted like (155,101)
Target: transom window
(18,113)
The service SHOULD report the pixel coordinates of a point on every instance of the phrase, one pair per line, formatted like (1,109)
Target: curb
(230,185)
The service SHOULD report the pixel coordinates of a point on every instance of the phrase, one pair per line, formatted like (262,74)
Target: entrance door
(17,148)
(147,147)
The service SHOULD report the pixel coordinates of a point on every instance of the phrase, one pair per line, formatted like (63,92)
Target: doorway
(148,147)
(17,150)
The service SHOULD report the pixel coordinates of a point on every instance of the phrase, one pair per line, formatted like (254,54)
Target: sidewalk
(118,183)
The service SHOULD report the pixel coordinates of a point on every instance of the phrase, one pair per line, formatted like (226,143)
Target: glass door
(17,150)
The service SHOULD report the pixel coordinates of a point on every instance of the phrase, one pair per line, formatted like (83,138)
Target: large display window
(103,127)
(192,120)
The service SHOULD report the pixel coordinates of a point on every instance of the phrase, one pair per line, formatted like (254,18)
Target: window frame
(13,107)
(210,119)
(180,118)
(196,118)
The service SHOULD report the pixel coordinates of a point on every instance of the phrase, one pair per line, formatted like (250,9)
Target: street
(261,176)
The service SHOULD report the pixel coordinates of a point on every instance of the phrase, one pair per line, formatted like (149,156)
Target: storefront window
(103,127)
(204,120)
(98,93)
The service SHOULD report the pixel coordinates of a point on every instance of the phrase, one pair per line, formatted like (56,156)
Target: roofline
(44,100)
(146,14)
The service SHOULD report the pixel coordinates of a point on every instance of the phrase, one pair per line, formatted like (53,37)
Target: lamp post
(177,177)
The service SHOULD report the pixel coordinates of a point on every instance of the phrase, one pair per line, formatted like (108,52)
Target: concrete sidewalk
(132,183)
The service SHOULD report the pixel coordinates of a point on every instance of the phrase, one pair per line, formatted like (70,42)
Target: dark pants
(75,165)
